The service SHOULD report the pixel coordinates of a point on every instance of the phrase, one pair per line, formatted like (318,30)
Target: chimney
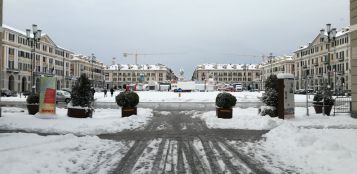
(114,61)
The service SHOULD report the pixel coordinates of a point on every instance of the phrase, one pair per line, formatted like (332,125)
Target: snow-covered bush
(318,97)
(225,100)
(33,99)
(81,92)
(270,97)
(127,99)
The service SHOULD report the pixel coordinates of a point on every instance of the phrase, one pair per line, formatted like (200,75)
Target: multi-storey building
(247,74)
(116,75)
(93,68)
(311,62)
(16,66)
(276,65)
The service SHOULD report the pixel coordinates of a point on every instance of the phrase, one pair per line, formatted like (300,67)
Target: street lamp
(34,40)
(331,37)
(93,59)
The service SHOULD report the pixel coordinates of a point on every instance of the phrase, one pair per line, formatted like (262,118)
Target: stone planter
(318,107)
(327,109)
(79,112)
(225,113)
(128,111)
(32,108)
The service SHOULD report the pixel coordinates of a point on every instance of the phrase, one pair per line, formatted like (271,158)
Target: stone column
(353,35)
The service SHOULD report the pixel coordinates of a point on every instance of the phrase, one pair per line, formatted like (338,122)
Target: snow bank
(103,121)
(250,119)
(31,153)
(161,96)
(242,119)
(313,150)
(164,96)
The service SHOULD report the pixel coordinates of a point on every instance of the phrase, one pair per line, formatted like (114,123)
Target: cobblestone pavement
(176,142)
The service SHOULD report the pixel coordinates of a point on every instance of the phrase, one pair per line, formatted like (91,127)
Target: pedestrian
(93,91)
(111,91)
(105,92)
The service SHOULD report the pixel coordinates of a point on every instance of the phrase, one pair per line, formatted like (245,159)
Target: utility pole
(1,58)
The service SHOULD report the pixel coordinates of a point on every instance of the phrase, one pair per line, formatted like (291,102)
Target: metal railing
(343,104)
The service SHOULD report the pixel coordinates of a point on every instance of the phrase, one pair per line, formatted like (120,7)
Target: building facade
(16,66)
(312,62)
(93,68)
(247,74)
(276,65)
(116,75)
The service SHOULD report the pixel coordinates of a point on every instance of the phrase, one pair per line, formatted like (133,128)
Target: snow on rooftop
(137,67)
(226,66)
(19,31)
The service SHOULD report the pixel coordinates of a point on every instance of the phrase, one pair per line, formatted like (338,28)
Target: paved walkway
(175,142)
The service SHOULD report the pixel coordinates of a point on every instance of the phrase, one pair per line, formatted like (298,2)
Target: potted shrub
(81,105)
(127,101)
(33,103)
(317,102)
(225,102)
(328,103)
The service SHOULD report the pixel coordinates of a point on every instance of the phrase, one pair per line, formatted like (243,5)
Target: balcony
(319,75)
(316,64)
(340,59)
(340,73)
(12,70)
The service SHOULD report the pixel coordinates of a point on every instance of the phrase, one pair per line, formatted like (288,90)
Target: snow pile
(313,150)
(242,119)
(164,96)
(103,121)
(31,153)
(250,119)
(161,96)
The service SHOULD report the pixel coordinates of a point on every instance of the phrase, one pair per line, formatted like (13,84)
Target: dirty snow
(103,121)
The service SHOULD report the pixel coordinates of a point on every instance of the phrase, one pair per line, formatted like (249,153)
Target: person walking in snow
(105,92)
(111,91)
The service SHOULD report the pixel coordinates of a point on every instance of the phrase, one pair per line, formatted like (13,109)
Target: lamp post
(93,59)
(331,36)
(307,100)
(34,40)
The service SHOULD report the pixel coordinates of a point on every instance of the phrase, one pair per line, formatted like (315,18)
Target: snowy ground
(103,121)
(158,96)
(306,144)
(250,119)
(31,153)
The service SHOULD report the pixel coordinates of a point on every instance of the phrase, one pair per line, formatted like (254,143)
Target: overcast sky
(180,33)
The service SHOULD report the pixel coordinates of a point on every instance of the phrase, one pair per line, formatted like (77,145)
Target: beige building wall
(353,20)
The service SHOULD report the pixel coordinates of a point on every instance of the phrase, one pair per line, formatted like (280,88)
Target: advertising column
(286,104)
(48,96)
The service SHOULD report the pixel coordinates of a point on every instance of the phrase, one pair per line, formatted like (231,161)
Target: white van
(238,86)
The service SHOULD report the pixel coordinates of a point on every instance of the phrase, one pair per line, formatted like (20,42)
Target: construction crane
(136,55)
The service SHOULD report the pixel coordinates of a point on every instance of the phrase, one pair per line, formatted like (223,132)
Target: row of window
(316,49)
(24,41)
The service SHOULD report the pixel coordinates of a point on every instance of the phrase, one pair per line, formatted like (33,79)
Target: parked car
(6,93)
(26,93)
(63,96)
(13,94)
(67,90)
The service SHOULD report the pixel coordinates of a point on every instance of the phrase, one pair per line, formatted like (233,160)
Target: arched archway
(23,84)
(58,84)
(11,83)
